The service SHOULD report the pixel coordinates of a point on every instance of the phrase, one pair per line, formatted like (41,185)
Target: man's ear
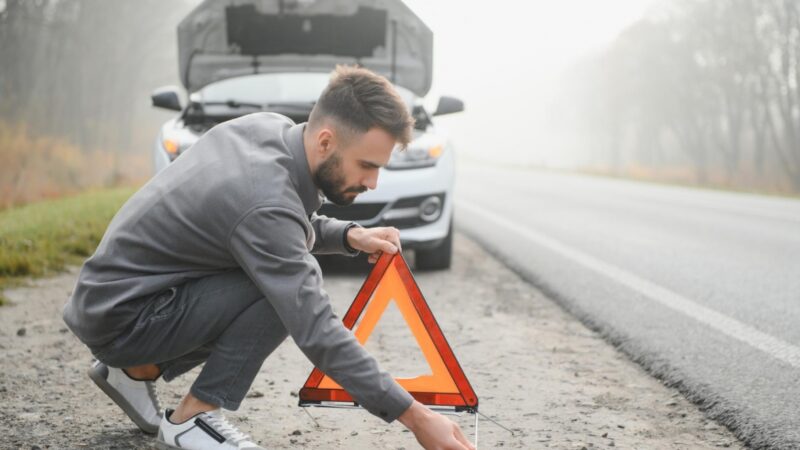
(325,142)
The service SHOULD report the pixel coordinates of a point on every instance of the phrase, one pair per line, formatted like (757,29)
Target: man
(211,262)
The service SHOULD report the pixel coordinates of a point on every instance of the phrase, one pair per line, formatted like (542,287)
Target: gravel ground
(536,370)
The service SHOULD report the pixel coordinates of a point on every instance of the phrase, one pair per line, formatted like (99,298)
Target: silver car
(276,56)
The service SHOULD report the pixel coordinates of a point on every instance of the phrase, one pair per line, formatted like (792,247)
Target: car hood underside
(228,38)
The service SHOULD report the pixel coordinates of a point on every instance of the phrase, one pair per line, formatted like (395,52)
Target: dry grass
(35,167)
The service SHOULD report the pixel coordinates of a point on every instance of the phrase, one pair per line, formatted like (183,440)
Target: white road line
(729,326)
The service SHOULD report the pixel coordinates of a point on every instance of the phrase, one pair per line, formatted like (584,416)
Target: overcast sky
(503,58)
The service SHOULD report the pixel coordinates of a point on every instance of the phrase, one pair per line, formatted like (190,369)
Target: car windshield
(273,88)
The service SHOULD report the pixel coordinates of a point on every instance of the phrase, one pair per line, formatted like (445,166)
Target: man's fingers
(386,239)
(461,438)
(393,236)
(458,446)
(388,247)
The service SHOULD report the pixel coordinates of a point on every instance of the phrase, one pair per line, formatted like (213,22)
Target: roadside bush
(35,167)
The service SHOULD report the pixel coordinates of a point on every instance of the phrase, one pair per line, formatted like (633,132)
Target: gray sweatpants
(222,319)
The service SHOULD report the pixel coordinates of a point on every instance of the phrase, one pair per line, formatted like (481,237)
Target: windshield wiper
(290,104)
(233,104)
(236,104)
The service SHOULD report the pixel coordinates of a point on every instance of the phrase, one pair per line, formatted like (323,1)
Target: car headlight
(415,157)
(176,142)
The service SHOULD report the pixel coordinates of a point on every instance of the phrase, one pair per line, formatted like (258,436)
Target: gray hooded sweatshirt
(241,197)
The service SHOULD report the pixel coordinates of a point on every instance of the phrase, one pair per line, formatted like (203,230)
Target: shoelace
(226,428)
(151,391)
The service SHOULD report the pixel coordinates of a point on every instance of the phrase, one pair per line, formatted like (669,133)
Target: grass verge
(42,238)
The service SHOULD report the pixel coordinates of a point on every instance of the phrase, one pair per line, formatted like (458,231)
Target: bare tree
(712,80)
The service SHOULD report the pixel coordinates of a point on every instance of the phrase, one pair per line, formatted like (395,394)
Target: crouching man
(211,262)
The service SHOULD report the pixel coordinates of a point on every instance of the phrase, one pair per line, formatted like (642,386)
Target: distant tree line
(84,68)
(707,88)
(80,72)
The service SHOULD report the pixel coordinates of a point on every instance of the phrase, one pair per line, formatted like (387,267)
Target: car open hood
(228,38)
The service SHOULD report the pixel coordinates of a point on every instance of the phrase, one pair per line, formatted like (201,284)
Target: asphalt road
(701,287)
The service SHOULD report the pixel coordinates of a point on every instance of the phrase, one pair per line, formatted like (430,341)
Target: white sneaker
(137,398)
(204,431)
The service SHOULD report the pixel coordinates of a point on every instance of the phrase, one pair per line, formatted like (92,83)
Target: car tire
(436,258)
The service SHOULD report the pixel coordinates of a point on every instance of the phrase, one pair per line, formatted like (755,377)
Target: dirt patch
(535,369)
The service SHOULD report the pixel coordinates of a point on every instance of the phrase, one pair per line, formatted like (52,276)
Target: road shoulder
(536,370)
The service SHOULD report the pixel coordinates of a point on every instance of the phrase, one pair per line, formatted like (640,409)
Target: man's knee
(268,320)
(258,325)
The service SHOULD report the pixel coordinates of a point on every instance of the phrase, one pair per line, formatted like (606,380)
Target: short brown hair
(359,100)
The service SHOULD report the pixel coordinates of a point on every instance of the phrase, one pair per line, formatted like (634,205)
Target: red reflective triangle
(391,280)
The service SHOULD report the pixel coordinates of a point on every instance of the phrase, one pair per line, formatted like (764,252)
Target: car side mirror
(166,97)
(448,105)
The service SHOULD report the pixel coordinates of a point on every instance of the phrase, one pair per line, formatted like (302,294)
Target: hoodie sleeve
(330,235)
(270,245)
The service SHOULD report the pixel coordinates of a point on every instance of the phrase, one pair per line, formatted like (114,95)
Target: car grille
(369,214)
(356,211)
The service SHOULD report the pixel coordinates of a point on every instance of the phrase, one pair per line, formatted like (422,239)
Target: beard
(330,180)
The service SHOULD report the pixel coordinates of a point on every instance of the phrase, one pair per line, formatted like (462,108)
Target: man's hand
(374,241)
(432,430)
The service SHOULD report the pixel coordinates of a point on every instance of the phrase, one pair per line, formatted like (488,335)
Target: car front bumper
(397,200)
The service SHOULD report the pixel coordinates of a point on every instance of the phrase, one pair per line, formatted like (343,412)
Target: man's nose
(371,181)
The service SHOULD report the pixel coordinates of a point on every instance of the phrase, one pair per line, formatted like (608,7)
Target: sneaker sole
(98,374)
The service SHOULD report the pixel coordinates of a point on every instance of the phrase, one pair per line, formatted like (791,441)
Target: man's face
(352,167)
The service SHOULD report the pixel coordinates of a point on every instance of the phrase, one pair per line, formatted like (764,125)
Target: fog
(75,79)
(687,91)
(697,92)
(506,61)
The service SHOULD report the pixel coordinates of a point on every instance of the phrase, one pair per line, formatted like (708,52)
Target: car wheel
(436,258)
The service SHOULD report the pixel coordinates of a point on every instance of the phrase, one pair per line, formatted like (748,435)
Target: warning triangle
(391,280)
